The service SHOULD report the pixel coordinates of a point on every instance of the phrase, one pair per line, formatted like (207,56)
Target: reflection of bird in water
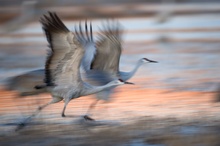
(104,67)
(62,73)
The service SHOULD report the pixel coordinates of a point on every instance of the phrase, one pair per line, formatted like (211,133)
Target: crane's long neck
(127,75)
(96,89)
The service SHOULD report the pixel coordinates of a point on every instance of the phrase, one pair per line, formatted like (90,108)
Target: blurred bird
(100,61)
(104,66)
(62,67)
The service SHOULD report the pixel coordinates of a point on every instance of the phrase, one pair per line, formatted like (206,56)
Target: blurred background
(177,94)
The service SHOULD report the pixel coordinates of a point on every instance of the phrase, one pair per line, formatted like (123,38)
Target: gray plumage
(62,69)
(105,65)
(109,49)
(101,60)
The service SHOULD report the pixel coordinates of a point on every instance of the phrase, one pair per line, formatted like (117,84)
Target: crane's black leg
(24,123)
(86,117)
(63,112)
(64,108)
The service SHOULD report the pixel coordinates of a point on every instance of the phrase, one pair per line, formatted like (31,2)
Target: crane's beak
(151,61)
(129,83)
(126,82)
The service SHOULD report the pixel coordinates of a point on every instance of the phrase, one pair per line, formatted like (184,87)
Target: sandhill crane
(101,64)
(62,67)
(105,63)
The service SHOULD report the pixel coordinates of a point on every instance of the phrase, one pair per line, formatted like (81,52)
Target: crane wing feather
(109,49)
(86,39)
(64,55)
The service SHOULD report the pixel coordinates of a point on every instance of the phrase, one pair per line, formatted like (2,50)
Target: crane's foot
(88,118)
(20,126)
(39,108)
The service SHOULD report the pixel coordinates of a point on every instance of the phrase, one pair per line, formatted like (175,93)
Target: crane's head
(145,60)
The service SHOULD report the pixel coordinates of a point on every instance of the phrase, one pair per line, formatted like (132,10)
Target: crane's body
(24,84)
(62,67)
(103,67)
(106,57)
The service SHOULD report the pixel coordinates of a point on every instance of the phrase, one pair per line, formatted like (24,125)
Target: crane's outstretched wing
(108,49)
(86,39)
(65,54)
